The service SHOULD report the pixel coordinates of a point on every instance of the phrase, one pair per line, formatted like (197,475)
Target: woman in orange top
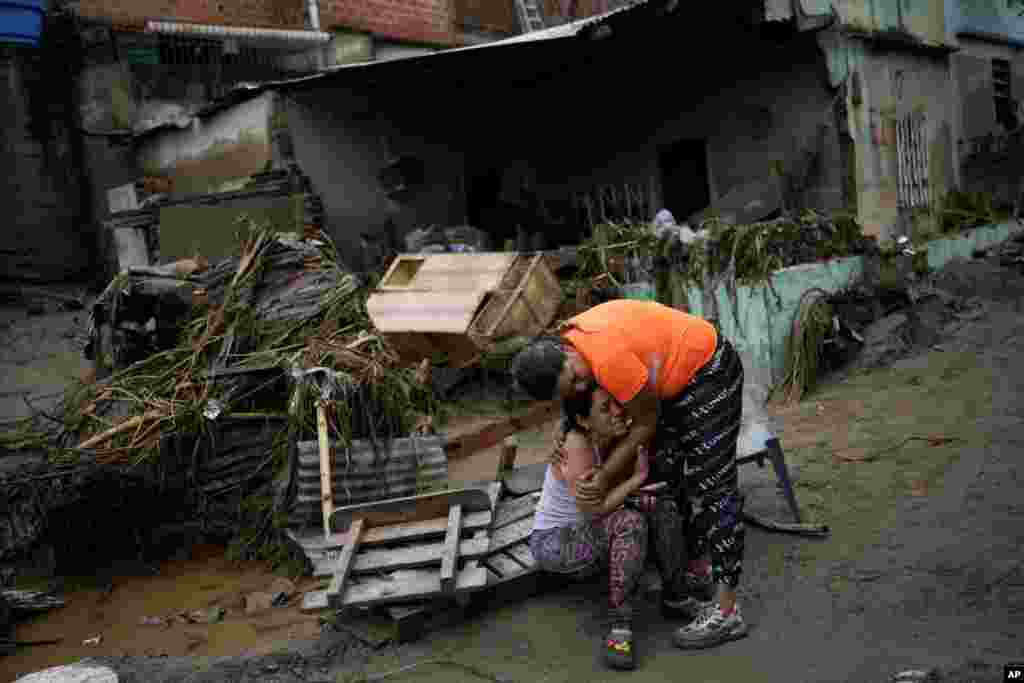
(681,385)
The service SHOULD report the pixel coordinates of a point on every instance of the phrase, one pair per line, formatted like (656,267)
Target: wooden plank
(504,566)
(348,553)
(482,537)
(411,509)
(496,432)
(326,498)
(522,554)
(450,550)
(402,557)
(515,509)
(408,586)
(514,533)
(423,312)
(412,531)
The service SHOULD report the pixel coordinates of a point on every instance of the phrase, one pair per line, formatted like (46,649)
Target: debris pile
(198,392)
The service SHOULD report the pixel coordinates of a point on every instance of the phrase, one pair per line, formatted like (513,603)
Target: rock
(282,585)
(80,672)
(258,602)
(207,616)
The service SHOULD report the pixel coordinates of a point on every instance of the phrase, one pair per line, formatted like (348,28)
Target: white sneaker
(711,628)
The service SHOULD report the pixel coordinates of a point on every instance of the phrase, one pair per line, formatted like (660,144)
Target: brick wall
(417,21)
(288,14)
(498,16)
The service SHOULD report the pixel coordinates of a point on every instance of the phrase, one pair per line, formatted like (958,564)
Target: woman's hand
(592,488)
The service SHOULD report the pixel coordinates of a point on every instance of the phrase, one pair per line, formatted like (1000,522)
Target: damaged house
(619,115)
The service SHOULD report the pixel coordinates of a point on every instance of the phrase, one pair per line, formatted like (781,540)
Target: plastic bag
(757,427)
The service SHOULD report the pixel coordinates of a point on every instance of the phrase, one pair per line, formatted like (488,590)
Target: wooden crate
(458,304)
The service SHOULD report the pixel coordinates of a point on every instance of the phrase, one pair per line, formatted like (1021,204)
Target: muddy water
(204,581)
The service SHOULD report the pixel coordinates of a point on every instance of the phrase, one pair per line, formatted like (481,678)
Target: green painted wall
(764,322)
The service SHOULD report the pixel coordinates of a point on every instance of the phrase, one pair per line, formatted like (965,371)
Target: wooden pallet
(404,563)
(403,550)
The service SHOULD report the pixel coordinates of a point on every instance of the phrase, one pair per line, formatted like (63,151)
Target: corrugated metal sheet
(359,475)
(237,32)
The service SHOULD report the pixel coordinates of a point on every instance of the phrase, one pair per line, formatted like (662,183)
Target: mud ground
(915,467)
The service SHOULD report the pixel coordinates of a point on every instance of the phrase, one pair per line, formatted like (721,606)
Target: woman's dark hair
(576,407)
(536,368)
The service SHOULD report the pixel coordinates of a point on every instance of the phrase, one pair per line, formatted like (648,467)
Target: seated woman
(573,538)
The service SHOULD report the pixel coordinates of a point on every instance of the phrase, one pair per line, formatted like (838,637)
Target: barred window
(912,151)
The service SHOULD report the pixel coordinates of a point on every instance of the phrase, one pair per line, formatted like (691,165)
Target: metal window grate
(912,151)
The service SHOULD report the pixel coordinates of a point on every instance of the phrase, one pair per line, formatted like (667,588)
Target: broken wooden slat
(403,557)
(450,551)
(412,531)
(348,553)
(510,535)
(495,433)
(411,509)
(481,537)
(522,554)
(513,510)
(407,586)
(503,565)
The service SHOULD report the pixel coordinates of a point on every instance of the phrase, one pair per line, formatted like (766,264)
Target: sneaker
(618,648)
(711,628)
(688,607)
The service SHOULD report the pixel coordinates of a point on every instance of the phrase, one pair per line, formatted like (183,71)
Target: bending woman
(681,384)
(581,539)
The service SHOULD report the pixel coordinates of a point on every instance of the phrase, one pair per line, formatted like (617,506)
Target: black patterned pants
(695,452)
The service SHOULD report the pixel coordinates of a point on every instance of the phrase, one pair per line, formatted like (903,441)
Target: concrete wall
(230,145)
(751,124)
(886,81)
(40,189)
(342,141)
(765,322)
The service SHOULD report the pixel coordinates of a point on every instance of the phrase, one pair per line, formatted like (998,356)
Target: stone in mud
(80,672)
(282,585)
(258,602)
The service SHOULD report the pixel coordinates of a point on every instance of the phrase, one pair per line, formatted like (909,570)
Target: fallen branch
(817,530)
(125,426)
(480,673)
(932,441)
(30,602)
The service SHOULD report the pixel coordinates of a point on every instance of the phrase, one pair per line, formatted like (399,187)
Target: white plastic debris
(213,409)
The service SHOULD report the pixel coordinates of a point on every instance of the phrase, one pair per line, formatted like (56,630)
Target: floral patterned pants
(618,543)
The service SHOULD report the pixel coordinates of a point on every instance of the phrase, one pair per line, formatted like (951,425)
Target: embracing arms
(578,468)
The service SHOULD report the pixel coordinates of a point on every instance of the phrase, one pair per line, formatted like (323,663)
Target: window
(912,151)
(1002,94)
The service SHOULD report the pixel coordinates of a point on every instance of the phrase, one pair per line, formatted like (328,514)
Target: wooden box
(458,304)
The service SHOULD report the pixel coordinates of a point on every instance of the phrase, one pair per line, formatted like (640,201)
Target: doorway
(684,177)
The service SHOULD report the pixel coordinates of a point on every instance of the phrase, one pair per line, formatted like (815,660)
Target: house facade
(988,77)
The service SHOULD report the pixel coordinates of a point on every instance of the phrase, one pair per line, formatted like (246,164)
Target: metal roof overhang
(239,33)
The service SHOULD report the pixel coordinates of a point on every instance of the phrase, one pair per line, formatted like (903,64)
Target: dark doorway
(684,177)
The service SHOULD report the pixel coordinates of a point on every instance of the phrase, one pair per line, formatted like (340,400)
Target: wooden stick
(131,423)
(345,562)
(326,494)
(450,553)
